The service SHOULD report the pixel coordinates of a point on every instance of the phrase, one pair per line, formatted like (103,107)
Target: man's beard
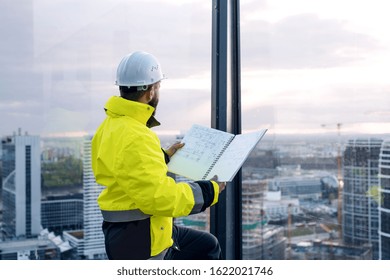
(152,121)
(154,103)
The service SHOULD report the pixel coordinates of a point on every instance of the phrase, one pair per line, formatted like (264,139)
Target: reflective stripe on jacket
(127,159)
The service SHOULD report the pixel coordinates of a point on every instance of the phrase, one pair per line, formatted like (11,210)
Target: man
(139,200)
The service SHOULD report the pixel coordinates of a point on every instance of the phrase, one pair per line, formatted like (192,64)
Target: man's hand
(173,149)
(221,185)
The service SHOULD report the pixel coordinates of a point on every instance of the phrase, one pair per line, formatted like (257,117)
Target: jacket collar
(139,111)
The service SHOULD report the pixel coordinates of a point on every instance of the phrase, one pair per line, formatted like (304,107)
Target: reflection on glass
(57,66)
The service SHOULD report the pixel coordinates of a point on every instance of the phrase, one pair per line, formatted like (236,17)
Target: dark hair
(132,93)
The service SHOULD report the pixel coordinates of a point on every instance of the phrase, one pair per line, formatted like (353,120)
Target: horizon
(267,136)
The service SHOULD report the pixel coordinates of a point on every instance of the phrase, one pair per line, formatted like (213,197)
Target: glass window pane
(314,74)
(58,63)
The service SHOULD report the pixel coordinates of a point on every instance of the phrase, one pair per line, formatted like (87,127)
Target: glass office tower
(360,207)
(384,197)
(21,188)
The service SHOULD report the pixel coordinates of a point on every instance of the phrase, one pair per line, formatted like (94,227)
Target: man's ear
(147,96)
(150,94)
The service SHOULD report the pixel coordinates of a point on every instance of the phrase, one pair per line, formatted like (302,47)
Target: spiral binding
(217,158)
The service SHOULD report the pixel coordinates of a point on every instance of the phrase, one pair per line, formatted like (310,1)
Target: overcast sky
(304,63)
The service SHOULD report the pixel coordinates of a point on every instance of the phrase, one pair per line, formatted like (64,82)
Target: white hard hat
(138,69)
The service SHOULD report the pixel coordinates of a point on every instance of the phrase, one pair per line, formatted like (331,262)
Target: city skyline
(279,168)
(304,64)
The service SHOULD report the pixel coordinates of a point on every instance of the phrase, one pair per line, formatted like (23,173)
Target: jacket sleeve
(209,189)
(141,172)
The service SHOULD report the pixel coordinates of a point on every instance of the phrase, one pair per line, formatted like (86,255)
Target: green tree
(66,172)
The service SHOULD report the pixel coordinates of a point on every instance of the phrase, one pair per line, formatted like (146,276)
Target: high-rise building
(384,198)
(62,212)
(360,208)
(253,219)
(259,240)
(21,188)
(93,236)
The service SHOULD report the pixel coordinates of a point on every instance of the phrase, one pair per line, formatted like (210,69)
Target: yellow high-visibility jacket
(128,160)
